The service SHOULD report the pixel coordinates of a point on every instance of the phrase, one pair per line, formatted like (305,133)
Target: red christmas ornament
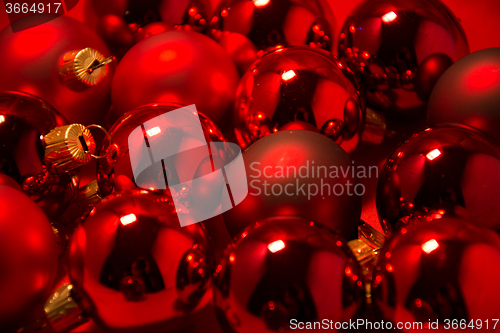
(299,84)
(193,15)
(286,269)
(239,48)
(28,256)
(8,181)
(438,273)
(468,93)
(299,173)
(116,33)
(445,170)
(395,47)
(152,29)
(115,171)
(25,121)
(273,24)
(176,67)
(136,268)
(52,61)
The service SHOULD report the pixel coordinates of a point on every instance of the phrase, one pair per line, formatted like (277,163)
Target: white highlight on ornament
(276,246)
(288,75)
(153,131)
(127,219)
(389,17)
(261,3)
(433,154)
(430,246)
(2,119)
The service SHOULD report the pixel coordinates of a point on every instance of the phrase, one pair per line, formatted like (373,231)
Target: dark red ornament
(136,269)
(239,48)
(28,256)
(33,63)
(299,84)
(24,121)
(388,42)
(285,269)
(468,93)
(442,274)
(299,173)
(152,29)
(278,23)
(176,67)
(444,170)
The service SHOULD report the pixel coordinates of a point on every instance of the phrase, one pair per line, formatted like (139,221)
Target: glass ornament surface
(286,268)
(299,84)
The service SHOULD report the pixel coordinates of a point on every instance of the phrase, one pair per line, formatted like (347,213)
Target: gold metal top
(62,311)
(69,147)
(87,66)
(375,127)
(88,195)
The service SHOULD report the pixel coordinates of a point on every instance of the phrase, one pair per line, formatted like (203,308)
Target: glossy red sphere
(136,268)
(444,170)
(299,84)
(28,256)
(299,173)
(439,271)
(176,67)
(31,64)
(278,23)
(24,120)
(286,269)
(385,42)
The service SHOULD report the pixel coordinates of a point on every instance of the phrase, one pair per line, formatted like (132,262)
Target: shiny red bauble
(286,269)
(444,170)
(468,93)
(278,23)
(24,121)
(396,47)
(442,274)
(176,67)
(31,63)
(299,84)
(28,256)
(299,173)
(115,172)
(136,269)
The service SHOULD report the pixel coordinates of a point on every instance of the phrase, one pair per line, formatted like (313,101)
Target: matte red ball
(469,93)
(281,183)
(116,33)
(31,63)
(28,256)
(176,67)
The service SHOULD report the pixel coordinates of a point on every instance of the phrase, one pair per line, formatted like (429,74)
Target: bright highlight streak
(276,246)
(153,131)
(127,219)
(433,154)
(261,3)
(430,246)
(389,17)
(2,119)
(288,75)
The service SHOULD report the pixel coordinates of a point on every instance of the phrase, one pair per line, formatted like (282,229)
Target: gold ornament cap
(62,311)
(87,67)
(69,147)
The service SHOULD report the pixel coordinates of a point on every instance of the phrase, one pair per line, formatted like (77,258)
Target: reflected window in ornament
(127,219)
(261,3)
(153,131)
(430,246)
(433,154)
(389,17)
(288,75)
(276,246)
